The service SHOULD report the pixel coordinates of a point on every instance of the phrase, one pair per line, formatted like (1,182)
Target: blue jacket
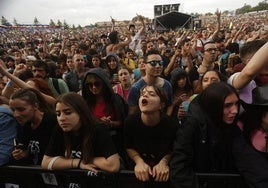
(8,131)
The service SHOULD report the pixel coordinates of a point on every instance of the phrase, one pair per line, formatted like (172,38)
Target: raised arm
(242,29)
(255,65)
(142,29)
(172,64)
(21,83)
(113,23)
(218,26)
(126,42)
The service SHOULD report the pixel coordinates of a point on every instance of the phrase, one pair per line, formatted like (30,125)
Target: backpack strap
(56,85)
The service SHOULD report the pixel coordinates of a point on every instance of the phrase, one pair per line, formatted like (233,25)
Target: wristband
(166,161)
(52,161)
(9,83)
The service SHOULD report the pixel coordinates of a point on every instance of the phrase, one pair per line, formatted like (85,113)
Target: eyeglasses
(154,63)
(211,49)
(96,84)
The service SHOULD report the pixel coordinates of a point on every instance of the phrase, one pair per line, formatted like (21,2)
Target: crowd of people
(163,104)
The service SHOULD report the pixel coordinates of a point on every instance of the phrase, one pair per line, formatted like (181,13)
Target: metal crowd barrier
(36,177)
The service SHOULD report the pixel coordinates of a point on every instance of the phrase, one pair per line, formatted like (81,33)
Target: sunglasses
(96,84)
(154,63)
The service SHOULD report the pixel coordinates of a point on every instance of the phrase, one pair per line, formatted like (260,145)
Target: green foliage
(65,25)
(15,22)
(4,21)
(59,23)
(136,18)
(261,6)
(247,8)
(226,12)
(36,22)
(195,14)
(52,23)
(208,14)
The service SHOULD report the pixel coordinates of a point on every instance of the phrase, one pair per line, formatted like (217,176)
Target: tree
(73,26)
(79,26)
(195,14)
(4,21)
(36,22)
(208,14)
(246,8)
(261,6)
(65,25)
(59,23)
(15,22)
(226,12)
(136,18)
(52,23)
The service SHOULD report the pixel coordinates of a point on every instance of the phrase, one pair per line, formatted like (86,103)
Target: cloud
(85,12)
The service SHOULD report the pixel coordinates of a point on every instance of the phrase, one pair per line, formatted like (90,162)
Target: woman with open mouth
(148,137)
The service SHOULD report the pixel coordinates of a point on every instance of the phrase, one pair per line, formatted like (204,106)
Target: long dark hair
(223,134)
(212,100)
(107,92)
(177,74)
(79,105)
(252,120)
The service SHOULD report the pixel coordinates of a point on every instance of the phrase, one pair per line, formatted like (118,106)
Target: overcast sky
(86,12)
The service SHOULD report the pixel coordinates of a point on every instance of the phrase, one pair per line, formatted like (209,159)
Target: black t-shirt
(151,142)
(36,140)
(102,144)
(193,74)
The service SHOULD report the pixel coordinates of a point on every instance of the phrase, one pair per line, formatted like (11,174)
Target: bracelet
(166,161)
(110,124)
(9,83)
(78,166)
(52,161)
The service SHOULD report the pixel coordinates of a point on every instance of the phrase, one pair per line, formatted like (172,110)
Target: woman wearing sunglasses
(101,99)
(103,103)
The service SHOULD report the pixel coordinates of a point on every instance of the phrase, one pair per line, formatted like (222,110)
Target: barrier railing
(36,177)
